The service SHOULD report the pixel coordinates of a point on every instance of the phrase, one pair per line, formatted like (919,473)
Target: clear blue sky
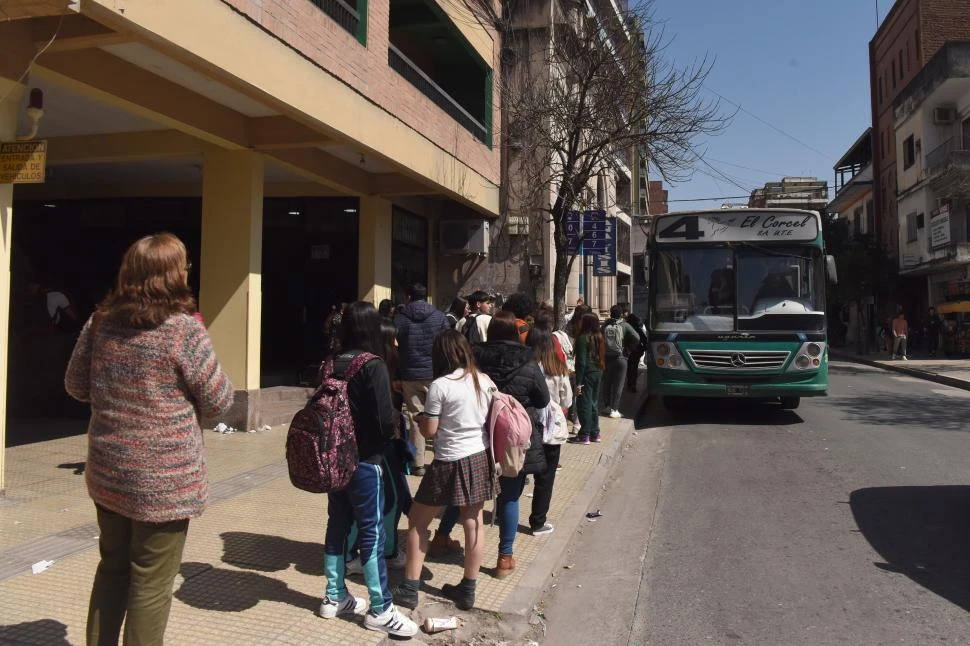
(801,66)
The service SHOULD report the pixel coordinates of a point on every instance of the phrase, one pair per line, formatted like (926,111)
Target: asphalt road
(846,521)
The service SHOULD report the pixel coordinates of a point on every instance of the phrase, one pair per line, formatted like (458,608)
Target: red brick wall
(310,31)
(943,20)
(658,198)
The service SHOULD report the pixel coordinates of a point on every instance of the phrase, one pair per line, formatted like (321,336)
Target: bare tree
(582,90)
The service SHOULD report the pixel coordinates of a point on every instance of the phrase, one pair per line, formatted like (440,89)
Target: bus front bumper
(669,385)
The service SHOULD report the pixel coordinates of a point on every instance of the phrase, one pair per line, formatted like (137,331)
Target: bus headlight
(665,355)
(809,356)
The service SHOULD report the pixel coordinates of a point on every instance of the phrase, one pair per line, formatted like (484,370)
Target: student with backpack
(555,432)
(474,326)
(368,396)
(620,338)
(461,473)
(511,366)
(590,361)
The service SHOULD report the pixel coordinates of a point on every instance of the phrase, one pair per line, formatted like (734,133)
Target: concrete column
(230,290)
(374,261)
(16,50)
(8,127)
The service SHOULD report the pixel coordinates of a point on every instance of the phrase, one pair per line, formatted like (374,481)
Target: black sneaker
(464,600)
(405,597)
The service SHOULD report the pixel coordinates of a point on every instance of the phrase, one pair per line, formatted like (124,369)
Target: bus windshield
(748,288)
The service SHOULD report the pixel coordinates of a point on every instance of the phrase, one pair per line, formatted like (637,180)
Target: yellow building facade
(296,140)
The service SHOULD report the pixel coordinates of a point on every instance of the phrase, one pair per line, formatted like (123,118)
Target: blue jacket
(418,323)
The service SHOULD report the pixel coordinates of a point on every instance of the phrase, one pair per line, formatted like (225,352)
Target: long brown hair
(452,351)
(540,339)
(502,327)
(153,284)
(589,326)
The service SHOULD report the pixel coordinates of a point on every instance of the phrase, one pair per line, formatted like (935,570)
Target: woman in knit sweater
(147,368)
(590,359)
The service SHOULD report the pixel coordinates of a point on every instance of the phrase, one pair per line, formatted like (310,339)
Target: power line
(770,125)
(757,170)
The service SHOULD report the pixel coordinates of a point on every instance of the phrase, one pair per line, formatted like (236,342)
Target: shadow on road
(709,410)
(43,631)
(906,409)
(922,533)
(852,369)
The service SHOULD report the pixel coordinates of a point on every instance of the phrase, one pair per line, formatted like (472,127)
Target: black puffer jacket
(515,372)
(418,323)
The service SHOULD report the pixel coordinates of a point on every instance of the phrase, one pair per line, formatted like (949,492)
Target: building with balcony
(309,152)
(908,37)
(853,203)
(932,135)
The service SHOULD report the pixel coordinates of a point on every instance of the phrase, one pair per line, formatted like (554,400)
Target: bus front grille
(739,359)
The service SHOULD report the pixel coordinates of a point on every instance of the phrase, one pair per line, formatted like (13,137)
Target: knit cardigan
(147,390)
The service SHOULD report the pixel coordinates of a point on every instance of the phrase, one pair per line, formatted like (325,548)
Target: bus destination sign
(741,226)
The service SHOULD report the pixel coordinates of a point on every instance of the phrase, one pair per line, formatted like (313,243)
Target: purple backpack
(321,446)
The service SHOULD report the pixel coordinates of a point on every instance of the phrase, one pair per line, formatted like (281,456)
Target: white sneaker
(391,622)
(545,529)
(904,358)
(397,562)
(615,414)
(351,604)
(353,567)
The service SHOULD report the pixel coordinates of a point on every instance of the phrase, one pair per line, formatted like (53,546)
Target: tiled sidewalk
(252,568)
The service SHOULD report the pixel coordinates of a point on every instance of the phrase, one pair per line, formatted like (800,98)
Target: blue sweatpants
(362,500)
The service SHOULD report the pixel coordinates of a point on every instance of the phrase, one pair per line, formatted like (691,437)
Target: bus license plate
(738,390)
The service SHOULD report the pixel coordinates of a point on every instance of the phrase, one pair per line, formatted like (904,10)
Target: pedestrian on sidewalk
(555,431)
(461,473)
(900,330)
(369,396)
(147,367)
(512,367)
(522,306)
(620,339)
(636,352)
(418,323)
(457,311)
(398,454)
(475,324)
(590,361)
(934,327)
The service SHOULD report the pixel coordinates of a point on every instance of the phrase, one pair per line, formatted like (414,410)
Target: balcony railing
(345,15)
(403,66)
(938,158)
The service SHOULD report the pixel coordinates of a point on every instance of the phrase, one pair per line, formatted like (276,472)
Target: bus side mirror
(830,270)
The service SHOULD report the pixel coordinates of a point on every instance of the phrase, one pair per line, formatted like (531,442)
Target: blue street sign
(588,231)
(603,251)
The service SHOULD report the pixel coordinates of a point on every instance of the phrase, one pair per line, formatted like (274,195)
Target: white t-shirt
(461,414)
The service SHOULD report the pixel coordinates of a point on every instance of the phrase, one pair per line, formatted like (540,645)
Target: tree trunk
(561,279)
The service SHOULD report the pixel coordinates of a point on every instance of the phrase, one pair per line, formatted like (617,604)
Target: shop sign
(940,227)
(23,162)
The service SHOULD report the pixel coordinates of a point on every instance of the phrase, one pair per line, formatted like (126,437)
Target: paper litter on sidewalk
(40,566)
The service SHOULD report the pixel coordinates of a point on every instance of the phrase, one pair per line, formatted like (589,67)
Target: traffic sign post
(603,250)
(592,233)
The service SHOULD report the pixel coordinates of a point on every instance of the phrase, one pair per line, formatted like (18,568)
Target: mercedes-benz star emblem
(737,360)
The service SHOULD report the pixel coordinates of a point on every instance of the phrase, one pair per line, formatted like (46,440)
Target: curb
(953,382)
(521,601)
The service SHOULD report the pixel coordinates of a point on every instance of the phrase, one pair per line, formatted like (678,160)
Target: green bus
(737,305)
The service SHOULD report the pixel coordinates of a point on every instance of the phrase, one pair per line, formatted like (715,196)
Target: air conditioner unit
(463,237)
(944,115)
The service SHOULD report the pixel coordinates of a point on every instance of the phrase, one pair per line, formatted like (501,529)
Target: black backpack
(470,330)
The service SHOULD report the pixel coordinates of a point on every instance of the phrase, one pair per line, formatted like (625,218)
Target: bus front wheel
(790,403)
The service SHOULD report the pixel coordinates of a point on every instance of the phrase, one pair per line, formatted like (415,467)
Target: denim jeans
(363,501)
(508,511)
(899,346)
(586,405)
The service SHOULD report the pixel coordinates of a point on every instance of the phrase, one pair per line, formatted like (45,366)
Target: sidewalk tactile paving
(252,570)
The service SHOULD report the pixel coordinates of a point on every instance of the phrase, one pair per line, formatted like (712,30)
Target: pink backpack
(510,432)
(321,446)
